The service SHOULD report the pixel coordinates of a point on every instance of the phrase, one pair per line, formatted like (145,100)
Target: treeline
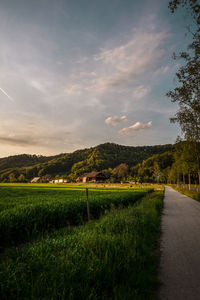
(106,157)
(22,160)
(182,166)
(186,166)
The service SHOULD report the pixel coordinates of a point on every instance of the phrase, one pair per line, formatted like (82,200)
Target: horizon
(78,74)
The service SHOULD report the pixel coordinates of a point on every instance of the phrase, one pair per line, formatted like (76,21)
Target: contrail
(10,98)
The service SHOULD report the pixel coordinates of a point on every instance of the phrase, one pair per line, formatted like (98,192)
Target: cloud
(115,120)
(136,127)
(116,66)
(33,139)
(17,141)
(140,92)
(74,89)
(132,59)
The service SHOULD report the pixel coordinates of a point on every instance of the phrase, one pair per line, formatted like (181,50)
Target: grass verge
(192,194)
(112,258)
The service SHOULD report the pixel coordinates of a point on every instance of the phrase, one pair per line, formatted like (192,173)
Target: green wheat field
(50,251)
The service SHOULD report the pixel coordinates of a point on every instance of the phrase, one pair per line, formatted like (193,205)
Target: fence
(191,188)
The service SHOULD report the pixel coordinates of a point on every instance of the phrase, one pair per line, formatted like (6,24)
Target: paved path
(180,247)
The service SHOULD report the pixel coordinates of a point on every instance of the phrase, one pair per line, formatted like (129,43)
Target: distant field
(15,194)
(27,210)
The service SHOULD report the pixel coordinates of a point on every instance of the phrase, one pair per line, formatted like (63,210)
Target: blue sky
(75,74)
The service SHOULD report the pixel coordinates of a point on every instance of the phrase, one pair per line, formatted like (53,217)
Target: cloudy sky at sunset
(77,73)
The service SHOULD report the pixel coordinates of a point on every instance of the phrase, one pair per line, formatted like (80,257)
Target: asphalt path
(180,247)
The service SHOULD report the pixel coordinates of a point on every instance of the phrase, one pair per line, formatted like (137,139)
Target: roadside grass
(192,194)
(29,213)
(112,258)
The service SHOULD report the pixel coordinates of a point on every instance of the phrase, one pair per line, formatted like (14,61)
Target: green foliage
(155,168)
(121,171)
(113,258)
(22,160)
(187,93)
(28,212)
(186,164)
(21,178)
(12,177)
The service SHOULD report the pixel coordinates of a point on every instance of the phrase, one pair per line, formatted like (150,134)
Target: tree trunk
(184,179)
(189,177)
(178,180)
(199,175)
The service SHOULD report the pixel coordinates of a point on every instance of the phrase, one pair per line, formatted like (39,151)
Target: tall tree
(187,93)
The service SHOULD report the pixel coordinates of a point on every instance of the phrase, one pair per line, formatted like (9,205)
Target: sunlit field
(30,210)
(50,251)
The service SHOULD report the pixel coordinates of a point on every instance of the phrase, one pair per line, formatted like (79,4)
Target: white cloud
(136,127)
(115,120)
(140,92)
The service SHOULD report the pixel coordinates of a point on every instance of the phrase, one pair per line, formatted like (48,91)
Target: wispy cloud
(115,120)
(21,140)
(117,66)
(9,97)
(140,92)
(136,127)
(17,141)
(130,60)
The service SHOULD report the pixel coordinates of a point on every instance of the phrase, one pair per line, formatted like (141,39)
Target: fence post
(88,205)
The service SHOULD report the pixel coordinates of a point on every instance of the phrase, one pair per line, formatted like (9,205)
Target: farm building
(59,181)
(35,180)
(91,177)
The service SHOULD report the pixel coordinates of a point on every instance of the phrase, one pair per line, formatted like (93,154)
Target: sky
(75,74)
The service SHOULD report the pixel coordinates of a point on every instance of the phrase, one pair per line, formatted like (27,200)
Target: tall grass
(24,221)
(113,258)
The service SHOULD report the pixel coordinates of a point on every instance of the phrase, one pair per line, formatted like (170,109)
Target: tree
(12,177)
(21,178)
(187,94)
(120,171)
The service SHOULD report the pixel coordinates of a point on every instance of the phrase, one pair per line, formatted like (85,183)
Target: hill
(154,168)
(22,160)
(97,158)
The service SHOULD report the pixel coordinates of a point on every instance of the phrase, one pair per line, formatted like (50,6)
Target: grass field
(28,211)
(112,258)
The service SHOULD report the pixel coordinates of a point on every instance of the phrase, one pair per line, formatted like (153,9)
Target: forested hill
(97,158)
(22,160)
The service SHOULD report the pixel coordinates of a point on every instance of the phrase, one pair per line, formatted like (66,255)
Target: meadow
(110,258)
(29,211)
